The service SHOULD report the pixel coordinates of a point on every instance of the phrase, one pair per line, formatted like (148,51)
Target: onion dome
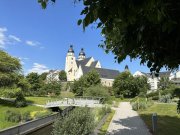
(82,52)
(71,49)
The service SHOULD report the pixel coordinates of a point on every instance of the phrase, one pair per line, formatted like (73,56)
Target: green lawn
(39,100)
(168,119)
(8,106)
(43,100)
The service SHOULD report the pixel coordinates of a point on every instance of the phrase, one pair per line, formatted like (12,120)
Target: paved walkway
(127,122)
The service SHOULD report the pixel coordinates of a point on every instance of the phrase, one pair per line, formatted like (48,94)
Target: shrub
(20,101)
(139,106)
(13,116)
(152,94)
(41,114)
(80,121)
(165,98)
(155,98)
(97,91)
(26,116)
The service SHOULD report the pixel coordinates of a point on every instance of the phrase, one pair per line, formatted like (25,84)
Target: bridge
(78,101)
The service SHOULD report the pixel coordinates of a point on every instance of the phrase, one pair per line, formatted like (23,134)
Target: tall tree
(164,83)
(124,84)
(149,30)
(33,79)
(10,68)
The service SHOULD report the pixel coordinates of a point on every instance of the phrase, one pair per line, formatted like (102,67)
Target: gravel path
(127,122)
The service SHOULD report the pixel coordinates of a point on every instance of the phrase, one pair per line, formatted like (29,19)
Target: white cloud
(2,37)
(12,37)
(32,43)
(38,68)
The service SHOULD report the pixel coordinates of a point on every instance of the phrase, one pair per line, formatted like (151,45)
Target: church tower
(70,65)
(82,55)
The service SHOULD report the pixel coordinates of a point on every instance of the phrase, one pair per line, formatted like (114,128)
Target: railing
(34,124)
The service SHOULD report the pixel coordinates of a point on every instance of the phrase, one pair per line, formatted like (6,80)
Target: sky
(40,38)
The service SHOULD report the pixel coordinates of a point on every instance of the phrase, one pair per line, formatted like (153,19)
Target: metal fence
(34,124)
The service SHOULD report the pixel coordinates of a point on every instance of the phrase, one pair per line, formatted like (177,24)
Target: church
(75,68)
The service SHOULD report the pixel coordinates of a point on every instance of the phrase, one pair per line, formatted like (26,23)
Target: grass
(4,106)
(43,100)
(168,119)
(105,126)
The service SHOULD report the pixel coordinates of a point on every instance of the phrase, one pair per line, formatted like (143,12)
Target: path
(127,122)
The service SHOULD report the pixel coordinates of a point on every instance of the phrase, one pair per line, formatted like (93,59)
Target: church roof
(93,64)
(104,73)
(83,62)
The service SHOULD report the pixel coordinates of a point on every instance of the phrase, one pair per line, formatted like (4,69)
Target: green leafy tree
(43,76)
(97,91)
(51,87)
(33,79)
(143,29)
(90,79)
(124,84)
(142,85)
(62,76)
(10,68)
(80,121)
(164,83)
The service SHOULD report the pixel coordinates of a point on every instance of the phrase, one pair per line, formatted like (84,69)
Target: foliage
(88,80)
(92,78)
(41,114)
(141,105)
(105,126)
(128,86)
(13,116)
(80,121)
(165,98)
(10,68)
(53,87)
(33,79)
(177,92)
(164,83)
(142,85)
(62,76)
(43,76)
(148,30)
(20,101)
(9,92)
(97,91)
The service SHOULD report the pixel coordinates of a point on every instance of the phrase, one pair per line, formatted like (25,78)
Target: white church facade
(75,68)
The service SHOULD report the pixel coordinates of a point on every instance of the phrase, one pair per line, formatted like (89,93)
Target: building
(53,75)
(153,80)
(75,68)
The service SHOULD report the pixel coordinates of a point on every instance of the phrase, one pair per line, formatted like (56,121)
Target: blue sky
(41,38)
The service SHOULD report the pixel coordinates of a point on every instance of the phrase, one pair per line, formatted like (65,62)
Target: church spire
(71,50)
(82,54)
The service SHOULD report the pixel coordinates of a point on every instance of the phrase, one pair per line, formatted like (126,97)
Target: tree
(10,68)
(80,121)
(43,76)
(143,29)
(124,84)
(164,83)
(51,87)
(33,79)
(142,84)
(97,91)
(62,76)
(92,78)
